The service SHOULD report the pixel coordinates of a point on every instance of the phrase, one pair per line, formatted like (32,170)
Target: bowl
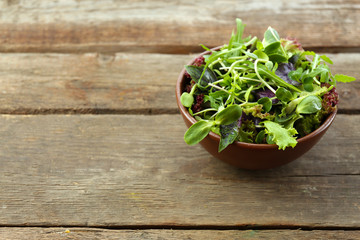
(249,155)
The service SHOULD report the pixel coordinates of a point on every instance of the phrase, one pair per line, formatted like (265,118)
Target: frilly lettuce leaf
(281,136)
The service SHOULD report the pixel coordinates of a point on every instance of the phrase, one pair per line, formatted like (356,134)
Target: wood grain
(89,82)
(114,83)
(169,26)
(119,168)
(94,233)
(135,170)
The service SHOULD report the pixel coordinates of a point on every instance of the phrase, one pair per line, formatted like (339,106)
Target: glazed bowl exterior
(249,155)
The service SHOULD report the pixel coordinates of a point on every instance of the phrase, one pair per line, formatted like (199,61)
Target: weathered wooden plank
(137,83)
(124,82)
(96,233)
(135,170)
(169,26)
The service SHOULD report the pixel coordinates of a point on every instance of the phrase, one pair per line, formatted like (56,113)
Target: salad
(259,91)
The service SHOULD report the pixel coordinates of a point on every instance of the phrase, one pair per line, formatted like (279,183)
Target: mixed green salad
(270,91)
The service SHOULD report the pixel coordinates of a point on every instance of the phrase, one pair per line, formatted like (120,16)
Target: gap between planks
(105,84)
(155,25)
(102,111)
(176,50)
(95,233)
(136,181)
(94,111)
(193,227)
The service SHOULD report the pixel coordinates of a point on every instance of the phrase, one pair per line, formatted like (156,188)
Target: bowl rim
(215,136)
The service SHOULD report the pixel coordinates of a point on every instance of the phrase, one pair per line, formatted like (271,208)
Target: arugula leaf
(216,98)
(205,48)
(281,136)
(321,69)
(309,53)
(263,71)
(326,59)
(296,74)
(344,78)
(251,55)
(239,30)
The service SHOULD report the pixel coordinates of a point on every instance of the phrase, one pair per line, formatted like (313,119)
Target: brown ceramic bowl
(249,155)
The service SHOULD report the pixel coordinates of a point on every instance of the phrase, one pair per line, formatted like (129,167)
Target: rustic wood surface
(115,83)
(95,233)
(169,26)
(126,176)
(92,142)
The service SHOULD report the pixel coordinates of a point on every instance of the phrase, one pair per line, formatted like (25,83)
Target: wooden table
(92,142)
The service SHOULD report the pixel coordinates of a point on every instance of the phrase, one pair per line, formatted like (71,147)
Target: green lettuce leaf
(281,136)
(344,78)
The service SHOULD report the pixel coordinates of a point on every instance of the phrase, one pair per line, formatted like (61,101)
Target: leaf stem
(258,75)
(316,81)
(232,67)
(218,81)
(223,89)
(205,110)
(250,79)
(193,89)
(214,62)
(254,39)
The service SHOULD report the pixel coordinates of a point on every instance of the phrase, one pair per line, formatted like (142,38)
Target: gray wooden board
(169,26)
(132,170)
(94,233)
(120,83)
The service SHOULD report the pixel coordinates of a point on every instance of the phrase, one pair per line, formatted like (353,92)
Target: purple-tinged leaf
(283,71)
(228,134)
(266,93)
